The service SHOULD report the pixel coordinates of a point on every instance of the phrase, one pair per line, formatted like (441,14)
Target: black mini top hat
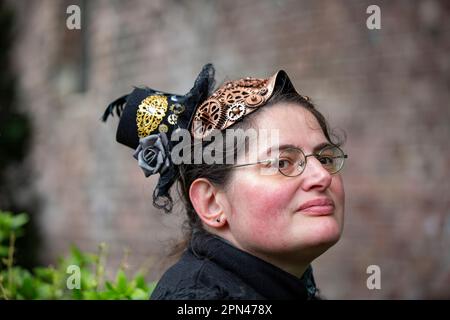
(147,119)
(146,111)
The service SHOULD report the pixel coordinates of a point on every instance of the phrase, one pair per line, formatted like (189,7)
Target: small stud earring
(218,219)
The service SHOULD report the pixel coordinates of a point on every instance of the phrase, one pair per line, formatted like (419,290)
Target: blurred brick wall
(388,89)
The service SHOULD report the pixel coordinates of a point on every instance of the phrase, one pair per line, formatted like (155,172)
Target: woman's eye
(284,163)
(326,160)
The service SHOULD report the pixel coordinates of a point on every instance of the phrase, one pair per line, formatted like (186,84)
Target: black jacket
(211,268)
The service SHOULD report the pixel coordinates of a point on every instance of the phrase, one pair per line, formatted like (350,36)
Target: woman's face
(263,210)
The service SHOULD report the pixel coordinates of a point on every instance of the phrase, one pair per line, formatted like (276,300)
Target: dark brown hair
(219,174)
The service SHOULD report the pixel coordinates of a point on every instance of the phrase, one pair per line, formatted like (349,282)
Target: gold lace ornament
(150,113)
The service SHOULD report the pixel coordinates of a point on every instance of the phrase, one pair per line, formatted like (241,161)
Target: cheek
(261,207)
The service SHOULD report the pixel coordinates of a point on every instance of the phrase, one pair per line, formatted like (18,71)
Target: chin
(322,233)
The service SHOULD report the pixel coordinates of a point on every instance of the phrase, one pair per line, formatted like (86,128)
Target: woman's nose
(315,176)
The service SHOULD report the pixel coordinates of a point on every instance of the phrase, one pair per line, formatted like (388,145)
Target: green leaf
(139,294)
(109,295)
(3,235)
(76,257)
(90,295)
(3,251)
(27,289)
(19,220)
(109,286)
(44,292)
(140,282)
(44,274)
(121,282)
(77,294)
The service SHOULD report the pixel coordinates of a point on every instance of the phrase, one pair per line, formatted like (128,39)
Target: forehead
(294,124)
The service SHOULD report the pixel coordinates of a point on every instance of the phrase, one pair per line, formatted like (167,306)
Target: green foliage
(10,226)
(78,276)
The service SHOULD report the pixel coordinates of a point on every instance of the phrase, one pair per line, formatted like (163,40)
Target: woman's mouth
(317,207)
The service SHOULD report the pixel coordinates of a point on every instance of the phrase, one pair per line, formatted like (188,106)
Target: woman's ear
(207,202)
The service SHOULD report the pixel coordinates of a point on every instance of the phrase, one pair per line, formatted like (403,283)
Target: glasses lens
(291,162)
(331,158)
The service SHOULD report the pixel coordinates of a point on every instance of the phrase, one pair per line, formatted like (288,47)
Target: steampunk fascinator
(236,99)
(149,117)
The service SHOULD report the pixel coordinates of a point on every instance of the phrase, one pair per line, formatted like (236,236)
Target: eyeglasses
(291,162)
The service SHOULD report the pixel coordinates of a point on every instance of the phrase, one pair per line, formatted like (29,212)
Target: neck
(295,266)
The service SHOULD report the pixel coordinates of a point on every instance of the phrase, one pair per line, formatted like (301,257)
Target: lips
(317,207)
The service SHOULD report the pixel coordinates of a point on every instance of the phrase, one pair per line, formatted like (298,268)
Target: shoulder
(199,279)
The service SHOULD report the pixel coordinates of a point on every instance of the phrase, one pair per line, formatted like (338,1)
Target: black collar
(265,278)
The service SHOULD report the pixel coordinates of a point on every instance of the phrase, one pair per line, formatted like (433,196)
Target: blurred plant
(52,282)
(16,138)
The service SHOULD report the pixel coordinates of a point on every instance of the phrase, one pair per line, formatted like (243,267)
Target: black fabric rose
(153,154)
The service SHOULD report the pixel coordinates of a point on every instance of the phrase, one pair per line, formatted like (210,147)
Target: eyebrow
(288,146)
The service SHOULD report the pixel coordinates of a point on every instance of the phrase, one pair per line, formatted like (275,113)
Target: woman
(253,227)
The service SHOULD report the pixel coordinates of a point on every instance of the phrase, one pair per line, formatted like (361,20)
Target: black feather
(204,84)
(203,87)
(116,105)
